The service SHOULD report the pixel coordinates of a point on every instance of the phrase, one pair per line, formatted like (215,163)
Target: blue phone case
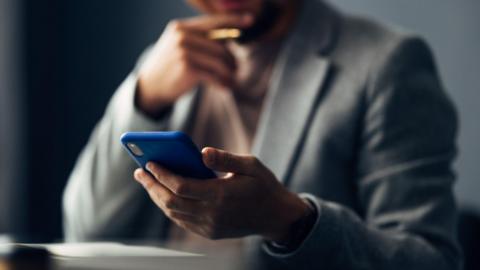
(173,150)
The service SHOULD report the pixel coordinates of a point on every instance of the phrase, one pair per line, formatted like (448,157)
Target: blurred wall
(10,118)
(3,121)
(452,29)
(76,53)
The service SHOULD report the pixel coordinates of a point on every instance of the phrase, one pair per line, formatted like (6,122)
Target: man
(334,133)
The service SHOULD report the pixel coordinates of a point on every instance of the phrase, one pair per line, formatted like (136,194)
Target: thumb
(223,161)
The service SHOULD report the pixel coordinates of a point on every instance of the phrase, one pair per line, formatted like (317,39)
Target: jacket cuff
(320,241)
(126,113)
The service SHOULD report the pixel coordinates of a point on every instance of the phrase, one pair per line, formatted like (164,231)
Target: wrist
(152,107)
(287,217)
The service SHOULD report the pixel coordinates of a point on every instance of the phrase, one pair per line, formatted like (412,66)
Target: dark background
(61,60)
(75,55)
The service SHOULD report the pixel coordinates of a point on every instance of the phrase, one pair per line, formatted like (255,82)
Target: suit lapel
(295,89)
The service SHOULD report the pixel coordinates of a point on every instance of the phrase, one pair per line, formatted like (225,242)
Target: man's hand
(248,200)
(184,57)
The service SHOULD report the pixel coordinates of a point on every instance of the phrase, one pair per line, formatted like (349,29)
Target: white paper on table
(107,249)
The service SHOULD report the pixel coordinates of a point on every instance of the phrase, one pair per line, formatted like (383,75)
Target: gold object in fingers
(224,33)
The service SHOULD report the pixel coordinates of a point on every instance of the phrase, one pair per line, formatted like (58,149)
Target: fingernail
(149,166)
(137,175)
(209,156)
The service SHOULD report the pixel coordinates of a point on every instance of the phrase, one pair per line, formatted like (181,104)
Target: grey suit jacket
(355,119)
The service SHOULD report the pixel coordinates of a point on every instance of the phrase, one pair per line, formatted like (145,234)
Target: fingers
(209,22)
(210,61)
(188,214)
(210,79)
(223,161)
(181,218)
(193,226)
(222,73)
(213,48)
(204,190)
(169,202)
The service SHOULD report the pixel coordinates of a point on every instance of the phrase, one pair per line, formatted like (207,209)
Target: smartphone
(173,150)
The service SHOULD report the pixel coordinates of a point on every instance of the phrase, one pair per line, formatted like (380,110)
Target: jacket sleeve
(404,180)
(101,200)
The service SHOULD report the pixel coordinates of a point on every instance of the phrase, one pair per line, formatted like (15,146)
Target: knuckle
(154,170)
(180,189)
(149,184)
(170,202)
(175,25)
(173,214)
(182,39)
(169,213)
(156,173)
(156,197)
